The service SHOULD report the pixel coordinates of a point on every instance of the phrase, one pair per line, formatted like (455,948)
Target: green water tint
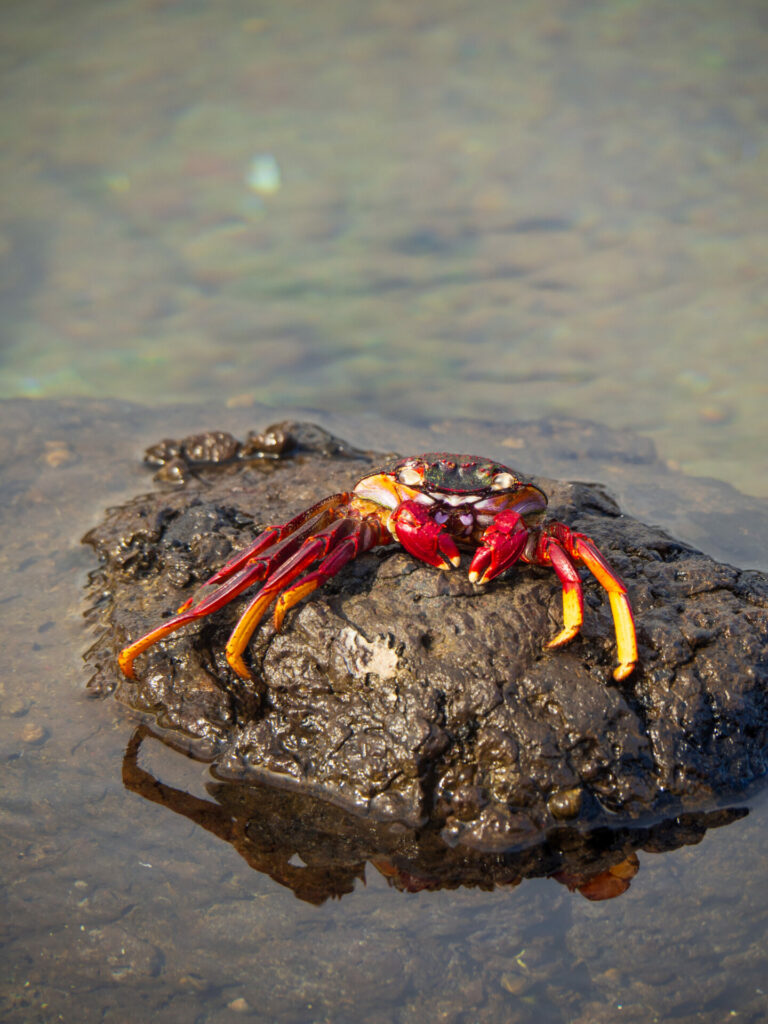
(480,210)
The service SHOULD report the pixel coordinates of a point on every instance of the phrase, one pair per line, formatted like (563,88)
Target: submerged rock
(408,694)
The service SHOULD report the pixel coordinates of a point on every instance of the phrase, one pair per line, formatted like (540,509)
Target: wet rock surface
(407,694)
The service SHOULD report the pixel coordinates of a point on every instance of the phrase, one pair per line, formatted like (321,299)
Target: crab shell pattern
(432,504)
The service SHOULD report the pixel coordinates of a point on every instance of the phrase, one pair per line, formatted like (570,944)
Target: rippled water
(419,211)
(422,209)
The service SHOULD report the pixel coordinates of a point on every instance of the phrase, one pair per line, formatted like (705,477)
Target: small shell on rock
(565,803)
(174,471)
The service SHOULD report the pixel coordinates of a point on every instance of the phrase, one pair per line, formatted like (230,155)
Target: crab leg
(337,544)
(302,524)
(573,595)
(556,546)
(369,535)
(268,552)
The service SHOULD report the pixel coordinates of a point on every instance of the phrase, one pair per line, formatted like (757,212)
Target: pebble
(16,705)
(33,733)
(513,442)
(57,453)
(239,1005)
(515,984)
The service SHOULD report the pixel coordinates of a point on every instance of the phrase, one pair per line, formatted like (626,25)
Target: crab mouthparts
(527,499)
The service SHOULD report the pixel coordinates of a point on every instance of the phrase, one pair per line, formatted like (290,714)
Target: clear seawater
(421,210)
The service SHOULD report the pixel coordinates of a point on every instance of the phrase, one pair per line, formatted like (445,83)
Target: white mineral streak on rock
(362,657)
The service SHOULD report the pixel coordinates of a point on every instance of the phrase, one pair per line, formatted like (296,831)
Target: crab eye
(503,482)
(409,476)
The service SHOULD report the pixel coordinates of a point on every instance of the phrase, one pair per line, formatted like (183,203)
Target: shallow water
(486,209)
(120,898)
(416,211)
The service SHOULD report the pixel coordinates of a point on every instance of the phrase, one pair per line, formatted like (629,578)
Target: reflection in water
(319,850)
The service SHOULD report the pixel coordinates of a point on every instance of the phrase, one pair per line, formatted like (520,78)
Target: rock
(320,850)
(407,694)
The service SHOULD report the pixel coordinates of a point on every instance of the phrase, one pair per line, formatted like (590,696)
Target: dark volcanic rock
(408,693)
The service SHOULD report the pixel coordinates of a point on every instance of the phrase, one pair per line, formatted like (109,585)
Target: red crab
(432,504)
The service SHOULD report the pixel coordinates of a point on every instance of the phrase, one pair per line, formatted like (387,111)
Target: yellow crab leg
(270,549)
(340,542)
(573,598)
(556,546)
(626,639)
(243,631)
(128,655)
(623,620)
(303,587)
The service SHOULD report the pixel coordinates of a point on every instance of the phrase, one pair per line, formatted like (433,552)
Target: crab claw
(502,544)
(422,536)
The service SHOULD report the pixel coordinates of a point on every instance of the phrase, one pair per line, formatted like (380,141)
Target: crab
(434,505)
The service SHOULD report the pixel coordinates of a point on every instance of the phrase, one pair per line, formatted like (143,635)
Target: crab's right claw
(422,537)
(503,542)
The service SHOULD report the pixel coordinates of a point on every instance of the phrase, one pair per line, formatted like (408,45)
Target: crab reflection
(320,851)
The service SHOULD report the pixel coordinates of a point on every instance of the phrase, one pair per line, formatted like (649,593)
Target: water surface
(486,209)
(113,898)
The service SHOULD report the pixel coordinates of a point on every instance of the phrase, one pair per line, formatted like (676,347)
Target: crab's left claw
(503,542)
(422,536)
